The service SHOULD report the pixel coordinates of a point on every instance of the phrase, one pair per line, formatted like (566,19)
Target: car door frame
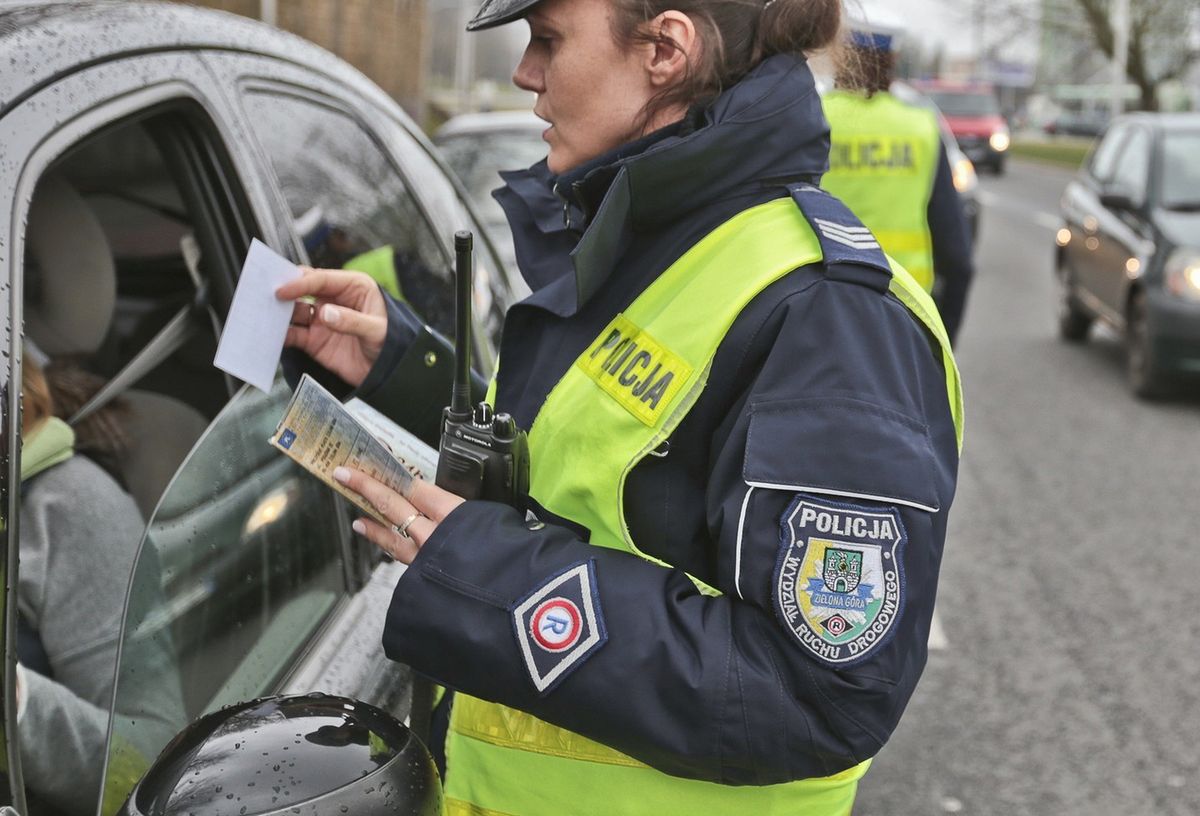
(38,128)
(1082,211)
(238,72)
(1121,256)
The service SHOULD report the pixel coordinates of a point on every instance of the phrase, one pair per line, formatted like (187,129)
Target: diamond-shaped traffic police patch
(559,625)
(839,582)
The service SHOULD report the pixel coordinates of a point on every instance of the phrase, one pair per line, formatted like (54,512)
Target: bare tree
(1160,47)
(1162,44)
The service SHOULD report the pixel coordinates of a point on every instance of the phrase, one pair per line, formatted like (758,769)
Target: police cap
(876,34)
(498,12)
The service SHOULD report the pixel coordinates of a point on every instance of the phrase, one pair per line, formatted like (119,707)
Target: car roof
(43,41)
(490,122)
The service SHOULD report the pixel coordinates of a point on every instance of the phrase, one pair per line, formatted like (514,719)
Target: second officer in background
(888,163)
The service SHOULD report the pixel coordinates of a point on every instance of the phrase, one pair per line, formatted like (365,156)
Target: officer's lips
(549,126)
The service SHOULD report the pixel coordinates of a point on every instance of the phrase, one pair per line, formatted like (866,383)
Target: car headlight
(1000,141)
(965,179)
(1183,273)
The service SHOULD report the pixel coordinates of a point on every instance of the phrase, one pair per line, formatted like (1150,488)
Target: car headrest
(71,280)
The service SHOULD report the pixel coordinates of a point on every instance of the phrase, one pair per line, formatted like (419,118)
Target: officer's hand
(344,330)
(417,516)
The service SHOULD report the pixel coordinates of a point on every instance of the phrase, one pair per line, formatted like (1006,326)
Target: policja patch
(559,625)
(839,582)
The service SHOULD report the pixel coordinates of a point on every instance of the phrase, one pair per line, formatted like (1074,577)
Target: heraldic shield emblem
(839,582)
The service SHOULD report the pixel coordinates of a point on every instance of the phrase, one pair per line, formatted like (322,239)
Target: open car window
(239,566)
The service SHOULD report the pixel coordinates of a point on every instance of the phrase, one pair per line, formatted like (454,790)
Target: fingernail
(331,314)
(359,526)
(342,474)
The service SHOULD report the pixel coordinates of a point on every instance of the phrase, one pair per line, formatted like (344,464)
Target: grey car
(142,147)
(1128,254)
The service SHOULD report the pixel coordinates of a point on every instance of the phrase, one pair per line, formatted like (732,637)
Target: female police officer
(744,435)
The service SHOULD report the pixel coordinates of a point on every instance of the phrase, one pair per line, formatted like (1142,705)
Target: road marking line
(937,635)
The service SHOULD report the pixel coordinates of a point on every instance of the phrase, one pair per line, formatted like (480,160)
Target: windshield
(954,103)
(1181,170)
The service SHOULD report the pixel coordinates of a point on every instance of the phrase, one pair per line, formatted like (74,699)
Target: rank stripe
(843,228)
(848,494)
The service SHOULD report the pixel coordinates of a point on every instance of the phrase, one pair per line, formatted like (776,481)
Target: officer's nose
(528,75)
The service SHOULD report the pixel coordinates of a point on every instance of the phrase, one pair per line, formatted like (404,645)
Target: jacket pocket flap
(841,446)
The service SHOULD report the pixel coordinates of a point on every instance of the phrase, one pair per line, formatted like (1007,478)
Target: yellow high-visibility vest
(883,160)
(504,762)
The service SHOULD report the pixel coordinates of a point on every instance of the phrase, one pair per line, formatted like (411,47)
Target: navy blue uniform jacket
(824,382)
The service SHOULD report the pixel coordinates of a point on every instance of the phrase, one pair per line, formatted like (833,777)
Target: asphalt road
(1065,675)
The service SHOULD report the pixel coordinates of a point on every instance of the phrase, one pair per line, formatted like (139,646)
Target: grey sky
(931,21)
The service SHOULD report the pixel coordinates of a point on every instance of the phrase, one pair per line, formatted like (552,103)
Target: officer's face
(590,90)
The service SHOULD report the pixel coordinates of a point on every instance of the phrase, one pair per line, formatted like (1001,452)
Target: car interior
(241,559)
(105,274)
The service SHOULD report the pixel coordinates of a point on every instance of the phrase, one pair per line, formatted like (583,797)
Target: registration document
(321,433)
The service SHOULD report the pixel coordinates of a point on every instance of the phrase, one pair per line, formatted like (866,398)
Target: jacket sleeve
(848,410)
(953,266)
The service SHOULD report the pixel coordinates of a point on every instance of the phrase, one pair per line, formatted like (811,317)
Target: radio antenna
(460,391)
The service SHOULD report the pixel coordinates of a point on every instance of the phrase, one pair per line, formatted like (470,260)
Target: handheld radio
(482,455)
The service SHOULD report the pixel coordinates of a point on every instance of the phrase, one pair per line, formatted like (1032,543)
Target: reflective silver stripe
(737,558)
(825,491)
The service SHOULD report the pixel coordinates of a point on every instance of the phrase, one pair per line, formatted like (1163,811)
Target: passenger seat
(70,297)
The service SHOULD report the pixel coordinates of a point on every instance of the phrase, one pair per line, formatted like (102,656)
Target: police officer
(888,163)
(744,429)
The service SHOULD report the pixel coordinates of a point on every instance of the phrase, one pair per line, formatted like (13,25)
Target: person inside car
(79,535)
(744,434)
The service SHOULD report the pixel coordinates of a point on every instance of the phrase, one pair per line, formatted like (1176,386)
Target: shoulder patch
(842,236)
(559,625)
(839,580)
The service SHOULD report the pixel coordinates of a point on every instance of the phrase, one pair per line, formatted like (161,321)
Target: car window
(1132,171)
(350,205)
(1181,170)
(125,255)
(1104,157)
(238,566)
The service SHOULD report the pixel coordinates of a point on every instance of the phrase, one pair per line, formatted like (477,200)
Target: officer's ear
(675,43)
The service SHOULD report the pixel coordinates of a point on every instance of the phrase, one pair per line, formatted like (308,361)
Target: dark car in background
(1077,123)
(143,147)
(973,113)
(477,146)
(1129,252)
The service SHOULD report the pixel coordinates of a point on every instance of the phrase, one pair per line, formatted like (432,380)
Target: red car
(974,117)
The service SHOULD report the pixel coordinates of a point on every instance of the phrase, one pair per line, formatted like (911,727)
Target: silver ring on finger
(404,525)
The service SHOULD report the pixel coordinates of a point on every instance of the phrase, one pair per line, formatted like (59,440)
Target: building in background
(385,39)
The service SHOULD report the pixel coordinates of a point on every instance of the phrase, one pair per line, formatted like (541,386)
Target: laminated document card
(321,434)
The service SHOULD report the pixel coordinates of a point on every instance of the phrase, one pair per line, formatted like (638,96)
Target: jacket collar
(766,130)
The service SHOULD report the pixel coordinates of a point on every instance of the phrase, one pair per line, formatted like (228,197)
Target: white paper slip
(257,323)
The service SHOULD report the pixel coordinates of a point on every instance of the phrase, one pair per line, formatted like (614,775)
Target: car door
(1083,213)
(1121,231)
(354,178)
(127,182)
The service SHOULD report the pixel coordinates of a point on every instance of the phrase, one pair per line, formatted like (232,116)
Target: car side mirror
(310,754)
(1117,198)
